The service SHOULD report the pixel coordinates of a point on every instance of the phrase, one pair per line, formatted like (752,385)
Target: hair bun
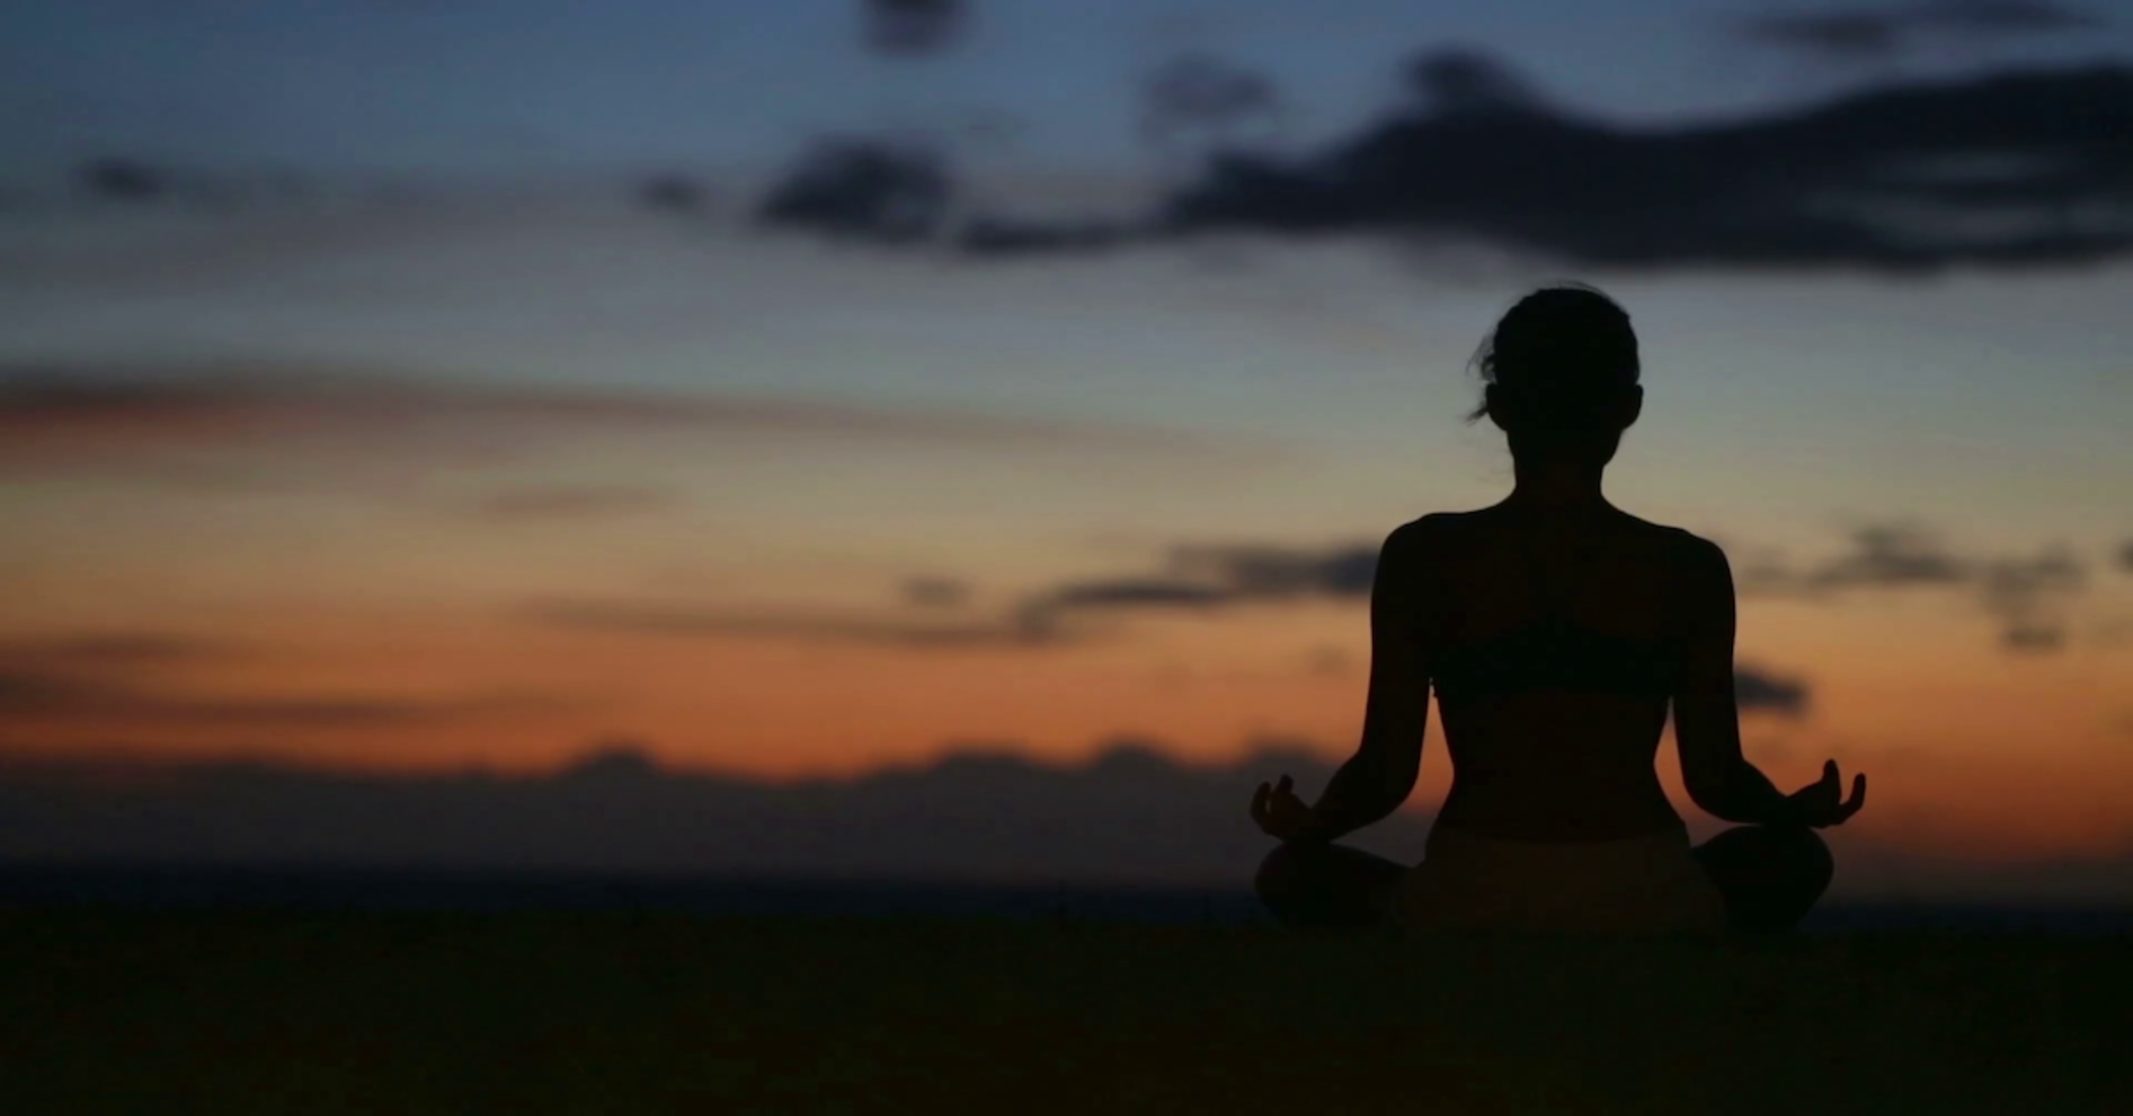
(1564,350)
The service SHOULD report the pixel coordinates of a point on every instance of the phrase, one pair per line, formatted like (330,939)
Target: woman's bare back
(1556,645)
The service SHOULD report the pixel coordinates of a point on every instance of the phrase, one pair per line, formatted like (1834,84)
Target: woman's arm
(1379,777)
(1706,715)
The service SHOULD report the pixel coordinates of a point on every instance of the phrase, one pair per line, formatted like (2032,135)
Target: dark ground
(316,1012)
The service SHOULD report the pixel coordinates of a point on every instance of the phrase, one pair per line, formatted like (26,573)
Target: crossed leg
(1770,878)
(1327,886)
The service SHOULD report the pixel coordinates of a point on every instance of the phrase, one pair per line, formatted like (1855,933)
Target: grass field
(316,1013)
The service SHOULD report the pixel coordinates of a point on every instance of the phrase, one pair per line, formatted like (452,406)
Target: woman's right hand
(1818,803)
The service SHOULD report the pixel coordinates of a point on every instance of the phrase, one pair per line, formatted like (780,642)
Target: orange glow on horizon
(2008,763)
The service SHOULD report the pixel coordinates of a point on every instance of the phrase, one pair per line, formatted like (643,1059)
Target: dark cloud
(2027,594)
(914,27)
(1879,31)
(571,502)
(1259,570)
(2125,556)
(1877,555)
(673,192)
(866,190)
(2023,168)
(1458,82)
(1891,554)
(1128,814)
(2009,16)
(1835,34)
(1132,592)
(119,180)
(2033,635)
(123,180)
(2029,597)
(1201,575)
(1756,690)
(936,592)
(66,416)
(1200,578)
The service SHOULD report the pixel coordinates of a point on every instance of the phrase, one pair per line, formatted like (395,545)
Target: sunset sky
(394,432)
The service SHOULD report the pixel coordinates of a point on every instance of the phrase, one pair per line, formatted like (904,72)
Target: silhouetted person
(1556,630)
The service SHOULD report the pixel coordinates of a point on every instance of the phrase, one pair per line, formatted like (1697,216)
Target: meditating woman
(1557,630)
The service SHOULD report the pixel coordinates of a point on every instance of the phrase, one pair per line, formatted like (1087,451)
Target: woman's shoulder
(1447,522)
(1433,530)
(1680,540)
(1681,551)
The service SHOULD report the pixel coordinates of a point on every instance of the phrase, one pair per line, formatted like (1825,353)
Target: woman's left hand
(1279,812)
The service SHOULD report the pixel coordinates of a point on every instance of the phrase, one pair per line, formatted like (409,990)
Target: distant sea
(167,887)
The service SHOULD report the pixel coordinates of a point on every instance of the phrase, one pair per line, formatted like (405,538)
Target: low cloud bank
(1130,815)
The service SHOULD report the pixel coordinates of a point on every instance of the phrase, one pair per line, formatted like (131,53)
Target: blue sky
(445,86)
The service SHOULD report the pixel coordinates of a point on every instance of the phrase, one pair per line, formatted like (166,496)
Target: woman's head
(1561,369)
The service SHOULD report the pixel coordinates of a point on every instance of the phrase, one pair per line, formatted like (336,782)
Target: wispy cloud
(123,678)
(1201,94)
(1203,576)
(1135,592)
(1195,578)
(1018,629)
(1273,571)
(570,502)
(1837,34)
(1878,31)
(1890,554)
(936,591)
(903,27)
(57,416)
(29,697)
(2027,594)
(2029,597)
(137,649)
